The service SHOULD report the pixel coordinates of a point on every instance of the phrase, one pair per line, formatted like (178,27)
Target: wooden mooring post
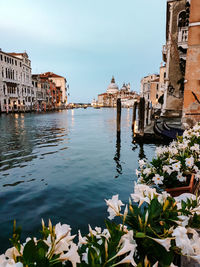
(134,117)
(118,115)
(141,115)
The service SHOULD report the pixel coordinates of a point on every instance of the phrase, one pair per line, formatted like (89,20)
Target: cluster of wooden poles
(141,116)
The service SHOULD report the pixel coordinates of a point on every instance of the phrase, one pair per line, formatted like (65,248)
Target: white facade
(16,90)
(145,86)
(113,87)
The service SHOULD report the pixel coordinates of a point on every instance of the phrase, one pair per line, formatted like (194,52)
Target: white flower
(182,240)
(82,240)
(128,244)
(92,232)
(195,147)
(156,264)
(72,255)
(85,256)
(176,166)
(180,177)
(63,238)
(163,197)
(173,151)
(147,171)
(183,220)
(185,197)
(8,262)
(142,163)
(12,253)
(114,206)
(128,259)
(167,169)
(189,161)
(166,243)
(106,234)
(143,193)
(157,179)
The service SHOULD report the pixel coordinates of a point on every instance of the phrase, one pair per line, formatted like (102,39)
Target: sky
(87,41)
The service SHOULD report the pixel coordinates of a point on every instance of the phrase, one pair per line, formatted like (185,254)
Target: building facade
(16,90)
(148,85)
(20,91)
(174,55)
(191,108)
(109,99)
(60,83)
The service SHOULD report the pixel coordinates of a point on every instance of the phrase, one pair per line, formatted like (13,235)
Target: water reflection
(117,155)
(20,139)
(62,166)
(141,151)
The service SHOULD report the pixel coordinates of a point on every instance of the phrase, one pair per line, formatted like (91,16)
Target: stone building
(109,99)
(174,55)
(16,90)
(60,83)
(148,87)
(48,96)
(191,108)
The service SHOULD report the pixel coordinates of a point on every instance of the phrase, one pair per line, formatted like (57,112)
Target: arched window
(183,22)
(182,19)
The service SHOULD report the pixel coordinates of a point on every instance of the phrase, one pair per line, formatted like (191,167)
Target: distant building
(148,88)
(48,96)
(109,99)
(16,90)
(60,83)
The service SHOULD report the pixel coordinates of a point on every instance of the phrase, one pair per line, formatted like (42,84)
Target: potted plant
(176,168)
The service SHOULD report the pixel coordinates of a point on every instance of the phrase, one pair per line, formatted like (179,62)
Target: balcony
(7,80)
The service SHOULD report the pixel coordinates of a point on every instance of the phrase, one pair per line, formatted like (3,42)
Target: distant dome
(124,88)
(112,88)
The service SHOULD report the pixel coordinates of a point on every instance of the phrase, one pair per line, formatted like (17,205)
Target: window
(19,102)
(164,74)
(16,62)
(157,86)
(156,96)
(1,57)
(182,19)
(5,101)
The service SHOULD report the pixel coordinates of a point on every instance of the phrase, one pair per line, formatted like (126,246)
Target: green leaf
(30,252)
(140,235)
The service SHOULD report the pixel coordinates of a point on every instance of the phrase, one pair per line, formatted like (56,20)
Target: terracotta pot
(191,188)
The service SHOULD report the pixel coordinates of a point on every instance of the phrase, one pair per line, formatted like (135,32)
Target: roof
(18,54)
(102,94)
(50,75)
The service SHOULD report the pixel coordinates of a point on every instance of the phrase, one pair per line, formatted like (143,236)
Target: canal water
(62,166)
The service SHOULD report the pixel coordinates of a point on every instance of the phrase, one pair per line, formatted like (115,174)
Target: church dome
(112,88)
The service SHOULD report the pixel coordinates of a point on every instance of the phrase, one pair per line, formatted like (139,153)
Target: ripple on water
(73,157)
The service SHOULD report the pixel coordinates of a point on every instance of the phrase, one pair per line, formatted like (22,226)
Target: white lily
(72,255)
(114,206)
